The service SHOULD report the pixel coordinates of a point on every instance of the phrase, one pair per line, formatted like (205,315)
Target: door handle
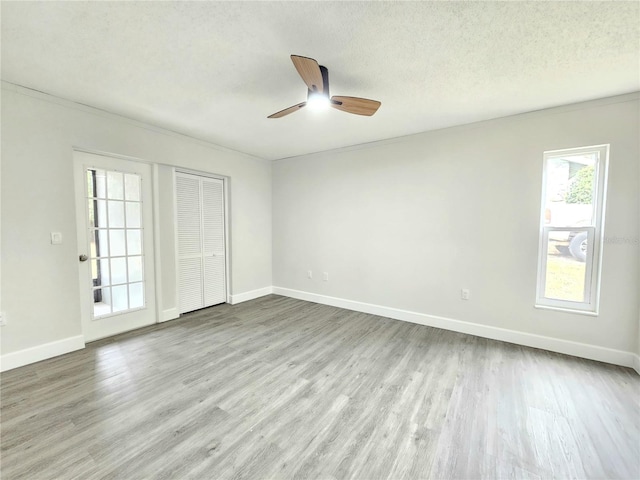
(83,258)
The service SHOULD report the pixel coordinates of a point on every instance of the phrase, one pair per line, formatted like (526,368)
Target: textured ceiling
(215,70)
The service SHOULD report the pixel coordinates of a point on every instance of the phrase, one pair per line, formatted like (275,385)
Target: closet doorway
(201,239)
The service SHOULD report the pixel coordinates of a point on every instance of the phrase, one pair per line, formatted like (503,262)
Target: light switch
(56,238)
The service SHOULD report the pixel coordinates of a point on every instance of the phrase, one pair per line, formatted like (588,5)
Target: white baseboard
(583,350)
(636,363)
(27,356)
(41,352)
(169,314)
(243,297)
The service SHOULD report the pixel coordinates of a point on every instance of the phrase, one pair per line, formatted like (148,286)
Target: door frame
(227,238)
(157,276)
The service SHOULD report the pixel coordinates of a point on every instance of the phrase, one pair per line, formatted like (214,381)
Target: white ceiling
(216,70)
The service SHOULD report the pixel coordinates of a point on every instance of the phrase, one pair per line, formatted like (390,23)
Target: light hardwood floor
(281,388)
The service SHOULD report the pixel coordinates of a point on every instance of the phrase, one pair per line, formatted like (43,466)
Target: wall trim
(30,355)
(243,297)
(169,314)
(567,347)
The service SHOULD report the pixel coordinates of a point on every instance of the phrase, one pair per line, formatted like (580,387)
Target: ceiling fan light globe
(318,102)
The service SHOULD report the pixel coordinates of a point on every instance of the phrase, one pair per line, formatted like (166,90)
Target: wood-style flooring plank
(285,389)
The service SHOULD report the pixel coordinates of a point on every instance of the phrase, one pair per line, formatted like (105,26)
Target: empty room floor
(282,388)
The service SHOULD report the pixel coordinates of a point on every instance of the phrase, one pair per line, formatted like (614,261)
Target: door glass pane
(119,298)
(95,271)
(96,187)
(136,295)
(118,270)
(97,213)
(116,243)
(566,267)
(104,278)
(133,242)
(101,302)
(101,249)
(115,233)
(91,188)
(132,187)
(115,186)
(116,214)
(133,215)
(135,269)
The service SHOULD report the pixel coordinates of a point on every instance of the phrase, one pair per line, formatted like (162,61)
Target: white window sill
(567,310)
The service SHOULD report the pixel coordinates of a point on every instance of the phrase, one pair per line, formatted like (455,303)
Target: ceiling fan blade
(287,111)
(310,72)
(359,106)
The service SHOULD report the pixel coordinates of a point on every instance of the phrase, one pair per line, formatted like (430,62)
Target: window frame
(595,235)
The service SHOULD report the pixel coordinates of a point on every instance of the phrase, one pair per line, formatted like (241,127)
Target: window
(571,223)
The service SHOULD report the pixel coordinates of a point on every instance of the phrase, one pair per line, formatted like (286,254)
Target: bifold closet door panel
(191,278)
(214,241)
(214,281)
(189,224)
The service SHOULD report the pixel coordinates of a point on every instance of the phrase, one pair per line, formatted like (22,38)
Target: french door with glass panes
(115,242)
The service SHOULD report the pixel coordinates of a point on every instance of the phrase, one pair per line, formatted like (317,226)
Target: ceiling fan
(317,79)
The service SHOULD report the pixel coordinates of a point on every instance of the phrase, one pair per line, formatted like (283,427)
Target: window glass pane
(132,186)
(115,186)
(566,267)
(133,242)
(101,302)
(118,270)
(135,269)
(116,239)
(119,298)
(133,215)
(570,190)
(116,214)
(136,295)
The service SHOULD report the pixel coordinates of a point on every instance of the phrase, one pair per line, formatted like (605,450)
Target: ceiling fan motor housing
(325,84)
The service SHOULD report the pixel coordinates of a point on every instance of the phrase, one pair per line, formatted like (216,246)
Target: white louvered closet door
(201,241)
(213,244)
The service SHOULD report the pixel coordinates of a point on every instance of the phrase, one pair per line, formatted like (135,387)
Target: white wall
(407,223)
(404,223)
(40,281)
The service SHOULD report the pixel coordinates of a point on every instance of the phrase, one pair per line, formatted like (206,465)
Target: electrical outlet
(325,276)
(309,274)
(465,294)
